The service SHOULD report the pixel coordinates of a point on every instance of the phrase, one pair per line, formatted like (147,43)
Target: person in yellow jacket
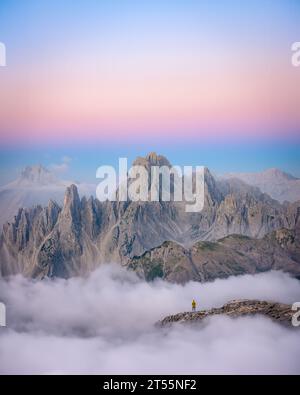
(194,304)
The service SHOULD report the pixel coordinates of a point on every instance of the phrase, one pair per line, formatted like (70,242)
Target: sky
(203,82)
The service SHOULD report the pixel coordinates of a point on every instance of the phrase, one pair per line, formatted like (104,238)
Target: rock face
(77,237)
(232,255)
(276,183)
(278,312)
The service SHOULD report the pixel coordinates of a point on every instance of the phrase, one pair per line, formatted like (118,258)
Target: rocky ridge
(276,183)
(278,312)
(232,255)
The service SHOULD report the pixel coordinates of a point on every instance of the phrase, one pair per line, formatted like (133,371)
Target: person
(194,305)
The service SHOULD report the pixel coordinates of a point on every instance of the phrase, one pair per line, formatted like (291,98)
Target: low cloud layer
(104,324)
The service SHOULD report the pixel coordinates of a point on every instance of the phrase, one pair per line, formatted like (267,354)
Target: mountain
(76,237)
(276,183)
(277,312)
(36,185)
(232,255)
(36,176)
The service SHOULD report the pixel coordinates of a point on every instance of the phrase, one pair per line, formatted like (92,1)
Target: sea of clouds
(105,324)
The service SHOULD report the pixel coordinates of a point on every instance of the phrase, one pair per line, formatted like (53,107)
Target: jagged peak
(52,204)
(38,168)
(83,200)
(91,200)
(71,190)
(71,197)
(71,211)
(37,174)
(151,159)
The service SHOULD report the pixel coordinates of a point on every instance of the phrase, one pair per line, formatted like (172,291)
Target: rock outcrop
(278,312)
(232,255)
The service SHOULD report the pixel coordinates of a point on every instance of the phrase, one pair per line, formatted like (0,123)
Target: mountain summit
(276,183)
(37,176)
(152,159)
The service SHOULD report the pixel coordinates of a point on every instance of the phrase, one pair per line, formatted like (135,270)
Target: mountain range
(35,185)
(276,183)
(240,230)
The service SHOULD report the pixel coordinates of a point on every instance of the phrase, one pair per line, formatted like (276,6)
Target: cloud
(105,324)
(61,167)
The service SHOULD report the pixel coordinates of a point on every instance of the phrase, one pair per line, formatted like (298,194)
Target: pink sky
(42,103)
(159,74)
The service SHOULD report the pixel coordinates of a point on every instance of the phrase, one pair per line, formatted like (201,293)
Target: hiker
(194,305)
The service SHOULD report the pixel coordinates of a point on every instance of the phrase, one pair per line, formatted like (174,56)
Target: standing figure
(194,305)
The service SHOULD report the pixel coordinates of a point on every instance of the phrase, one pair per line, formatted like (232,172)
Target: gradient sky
(156,74)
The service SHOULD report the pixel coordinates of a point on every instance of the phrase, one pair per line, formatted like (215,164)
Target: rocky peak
(152,159)
(275,173)
(53,211)
(274,182)
(37,175)
(72,205)
(52,205)
(71,196)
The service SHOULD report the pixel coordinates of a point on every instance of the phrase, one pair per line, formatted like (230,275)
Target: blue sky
(220,159)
